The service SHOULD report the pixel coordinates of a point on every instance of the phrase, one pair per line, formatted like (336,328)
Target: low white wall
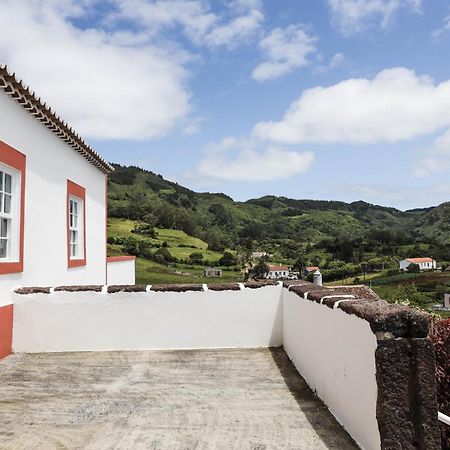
(90,321)
(335,354)
(121,272)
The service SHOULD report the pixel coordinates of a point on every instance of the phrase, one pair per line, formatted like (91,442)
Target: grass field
(151,272)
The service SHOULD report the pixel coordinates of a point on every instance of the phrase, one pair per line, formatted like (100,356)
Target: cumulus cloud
(235,159)
(437,157)
(352,16)
(285,49)
(105,87)
(395,105)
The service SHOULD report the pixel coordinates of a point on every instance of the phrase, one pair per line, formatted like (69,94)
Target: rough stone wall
(405,361)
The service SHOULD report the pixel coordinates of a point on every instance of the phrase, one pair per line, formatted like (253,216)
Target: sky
(321,99)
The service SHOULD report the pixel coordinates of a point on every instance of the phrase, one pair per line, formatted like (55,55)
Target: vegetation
(174,230)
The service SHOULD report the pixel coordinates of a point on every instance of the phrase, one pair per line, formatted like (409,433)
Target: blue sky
(323,99)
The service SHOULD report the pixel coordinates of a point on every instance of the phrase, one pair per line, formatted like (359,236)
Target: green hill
(317,231)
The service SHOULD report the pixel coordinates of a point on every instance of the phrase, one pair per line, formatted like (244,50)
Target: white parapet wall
(96,321)
(335,354)
(121,270)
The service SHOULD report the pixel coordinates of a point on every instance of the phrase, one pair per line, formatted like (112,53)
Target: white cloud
(353,16)
(444,29)
(104,87)
(437,157)
(234,32)
(194,18)
(337,60)
(240,160)
(399,196)
(285,49)
(394,106)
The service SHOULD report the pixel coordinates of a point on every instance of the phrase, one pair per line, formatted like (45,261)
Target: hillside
(285,227)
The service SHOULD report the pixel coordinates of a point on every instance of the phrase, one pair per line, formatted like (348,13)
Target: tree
(413,268)
(260,270)
(227,259)
(162,255)
(196,257)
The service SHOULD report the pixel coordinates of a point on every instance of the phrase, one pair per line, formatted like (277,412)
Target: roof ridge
(27,98)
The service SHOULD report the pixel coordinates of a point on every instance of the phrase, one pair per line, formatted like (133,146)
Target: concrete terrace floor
(199,399)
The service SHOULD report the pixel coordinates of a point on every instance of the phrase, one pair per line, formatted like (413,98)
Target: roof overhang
(27,98)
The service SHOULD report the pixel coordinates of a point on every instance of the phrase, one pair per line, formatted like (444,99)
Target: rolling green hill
(317,231)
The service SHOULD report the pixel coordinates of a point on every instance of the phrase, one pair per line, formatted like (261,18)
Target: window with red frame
(12,203)
(76,224)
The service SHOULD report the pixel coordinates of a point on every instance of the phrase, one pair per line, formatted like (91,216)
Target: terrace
(227,366)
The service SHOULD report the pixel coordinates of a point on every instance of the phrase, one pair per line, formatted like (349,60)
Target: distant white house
(259,255)
(276,272)
(423,263)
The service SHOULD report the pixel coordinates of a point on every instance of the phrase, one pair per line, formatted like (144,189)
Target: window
(76,229)
(75,220)
(12,198)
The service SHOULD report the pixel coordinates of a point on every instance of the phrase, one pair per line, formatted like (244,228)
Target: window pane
(1,203)
(1,180)
(7,206)
(75,207)
(8,183)
(3,248)
(4,228)
(75,221)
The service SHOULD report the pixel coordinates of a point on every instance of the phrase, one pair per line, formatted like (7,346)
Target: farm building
(423,263)
(277,272)
(212,272)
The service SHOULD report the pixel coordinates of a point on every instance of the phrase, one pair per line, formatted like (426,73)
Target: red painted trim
(13,158)
(75,190)
(6,329)
(113,259)
(106,229)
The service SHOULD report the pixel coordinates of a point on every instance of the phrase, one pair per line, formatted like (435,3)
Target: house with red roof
(423,263)
(277,272)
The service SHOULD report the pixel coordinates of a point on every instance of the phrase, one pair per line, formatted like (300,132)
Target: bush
(144,229)
(413,268)
(163,256)
(196,257)
(227,259)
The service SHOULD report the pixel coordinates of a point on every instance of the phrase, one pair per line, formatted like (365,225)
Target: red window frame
(77,191)
(9,156)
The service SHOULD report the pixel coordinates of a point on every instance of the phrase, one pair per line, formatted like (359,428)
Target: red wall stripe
(6,329)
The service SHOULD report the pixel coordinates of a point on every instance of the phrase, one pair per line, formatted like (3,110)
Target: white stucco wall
(335,354)
(91,321)
(50,162)
(121,272)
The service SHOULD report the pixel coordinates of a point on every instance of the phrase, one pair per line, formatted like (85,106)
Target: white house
(276,272)
(53,197)
(423,263)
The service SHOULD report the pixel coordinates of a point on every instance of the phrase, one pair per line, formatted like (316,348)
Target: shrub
(196,257)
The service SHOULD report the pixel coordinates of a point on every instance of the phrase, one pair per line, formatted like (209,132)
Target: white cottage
(53,198)
(277,272)
(423,263)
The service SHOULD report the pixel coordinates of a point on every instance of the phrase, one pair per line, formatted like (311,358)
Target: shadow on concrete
(323,422)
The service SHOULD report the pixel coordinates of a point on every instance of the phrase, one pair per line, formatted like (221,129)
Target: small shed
(210,272)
